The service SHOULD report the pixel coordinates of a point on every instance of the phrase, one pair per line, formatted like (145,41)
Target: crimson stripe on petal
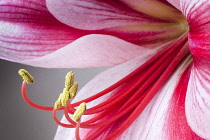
(150,35)
(197,14)
(198,93)
(117,19)
(150,124)
(97,14)
(176,126)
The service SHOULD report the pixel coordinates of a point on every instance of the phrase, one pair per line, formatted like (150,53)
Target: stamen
(32,104)
(65,98)
(183,52)
(62,100)
(69,80)
(26,76)
(79,112)
(77,118)
(146,65)
(73,90)
(140,86)
(60,123)
(68,117)
(69,92)
(77,130)
(58,103)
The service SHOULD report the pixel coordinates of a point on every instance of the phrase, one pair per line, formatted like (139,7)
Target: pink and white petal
(97,14)
(29,31)
(150,35)
(117,19)
(100,82)
(175,3)
(176,126)
(197,100)
(91,51)
(153,124)
(198,94)
(197,14)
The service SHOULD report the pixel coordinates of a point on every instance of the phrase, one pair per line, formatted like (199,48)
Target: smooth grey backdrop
(18,121)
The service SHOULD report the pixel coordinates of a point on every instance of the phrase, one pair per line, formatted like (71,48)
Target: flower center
(132,93)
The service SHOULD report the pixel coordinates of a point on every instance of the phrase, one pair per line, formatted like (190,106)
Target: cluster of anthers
(69,92)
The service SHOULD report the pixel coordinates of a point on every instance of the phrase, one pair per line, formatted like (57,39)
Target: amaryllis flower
(159,87)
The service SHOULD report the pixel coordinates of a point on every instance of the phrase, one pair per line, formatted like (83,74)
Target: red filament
(132,94)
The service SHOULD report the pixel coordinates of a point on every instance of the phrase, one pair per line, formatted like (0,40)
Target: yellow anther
(69,92)
(65,89)
(26,76)
(58,103)
(79,112)
(73,90)
(69,80)
(65,98)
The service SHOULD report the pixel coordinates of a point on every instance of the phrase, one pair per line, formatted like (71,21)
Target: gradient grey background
(18,121)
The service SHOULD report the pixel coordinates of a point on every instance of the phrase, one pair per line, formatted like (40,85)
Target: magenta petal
(96,14)
(29,31)
(197,15)
(198,94)
(176,126)
(90,51)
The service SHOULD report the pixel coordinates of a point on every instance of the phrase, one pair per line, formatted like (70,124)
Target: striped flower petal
(119,19)
(90,51)
(198,94)
(29,31)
